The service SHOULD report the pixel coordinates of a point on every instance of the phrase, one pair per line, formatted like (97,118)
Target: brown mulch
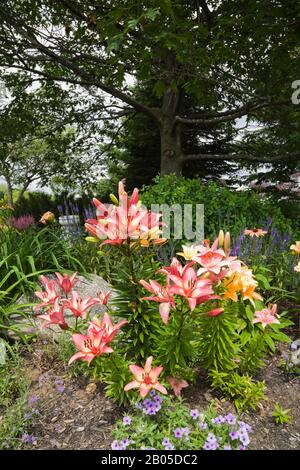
(75,414)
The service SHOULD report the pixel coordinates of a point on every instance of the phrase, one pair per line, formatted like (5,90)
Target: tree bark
(171,152)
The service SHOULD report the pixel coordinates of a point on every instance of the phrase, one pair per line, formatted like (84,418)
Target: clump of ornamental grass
(162,423)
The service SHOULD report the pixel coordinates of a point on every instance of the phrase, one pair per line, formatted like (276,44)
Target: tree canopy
(227,59)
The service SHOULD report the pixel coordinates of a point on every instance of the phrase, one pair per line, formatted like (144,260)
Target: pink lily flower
(266,316)
(78,306)
(65,282)
(54,317)
(175,268)
(196,290)
(106,327)
(103,297)
(177,385)
(49,295)
(210,258)
(90,346)
(162,295)
(146,378)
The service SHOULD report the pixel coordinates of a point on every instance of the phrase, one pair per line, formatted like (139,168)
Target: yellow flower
(189,252)
(297,268)
(47,217)
(296,248)
(242,282)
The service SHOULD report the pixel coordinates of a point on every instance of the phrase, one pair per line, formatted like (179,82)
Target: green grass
(14,390)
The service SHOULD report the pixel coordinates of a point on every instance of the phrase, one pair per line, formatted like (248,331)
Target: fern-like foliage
(217,343)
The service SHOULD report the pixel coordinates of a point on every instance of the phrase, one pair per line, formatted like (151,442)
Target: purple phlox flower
(152,393)
(169,447)
(59,384)
(124,443)
(245,426)
(185,431)
(178,433)
(32,399)
(115,445)
(218,420)
(158,399)
(244,438)
(230,419)
(242,448)
(211,437)
(194,414)
(227,447)
(147,402)
(28,439)
(165,441)
(207,446)
(54,443)
(234,435)
(138,406)
(202,426)
(126,420)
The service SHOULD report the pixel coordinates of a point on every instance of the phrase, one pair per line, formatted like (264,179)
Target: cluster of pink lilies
(58,295)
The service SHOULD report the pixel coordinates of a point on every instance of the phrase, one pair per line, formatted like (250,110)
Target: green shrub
(223,208)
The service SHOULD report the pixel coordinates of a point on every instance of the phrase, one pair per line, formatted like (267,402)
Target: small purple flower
(242,448)
(227,447)
(245,426)
(158,399)
(138,406)
(165,441)
(218,420)
(59,385)
(169,447)
(28,439)
(124,443)
(185,431)
(126,420)
(148,402)
(152,393)
(32,399)
(202,426)
(230,419)
(194,414)
(211,437)
(207,446)
(115,445)
(234,435)
(178,433)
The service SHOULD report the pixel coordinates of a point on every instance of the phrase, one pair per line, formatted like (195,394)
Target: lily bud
(92,239)
(221,238)
(227,243)
(113,199)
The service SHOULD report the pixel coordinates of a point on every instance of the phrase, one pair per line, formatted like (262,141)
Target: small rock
(80,429)
(91,388)
(54,419)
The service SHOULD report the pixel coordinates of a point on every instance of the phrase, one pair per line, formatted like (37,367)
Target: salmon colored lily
(90,346)
(78,306)
(266,316)
(105,325)
(177,385)
(162,295)
(65,282)
(54,317)
(49,295)
(296,248)
(146,378)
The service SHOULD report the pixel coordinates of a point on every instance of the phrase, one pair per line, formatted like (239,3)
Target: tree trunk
(10,199)
(171,153)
